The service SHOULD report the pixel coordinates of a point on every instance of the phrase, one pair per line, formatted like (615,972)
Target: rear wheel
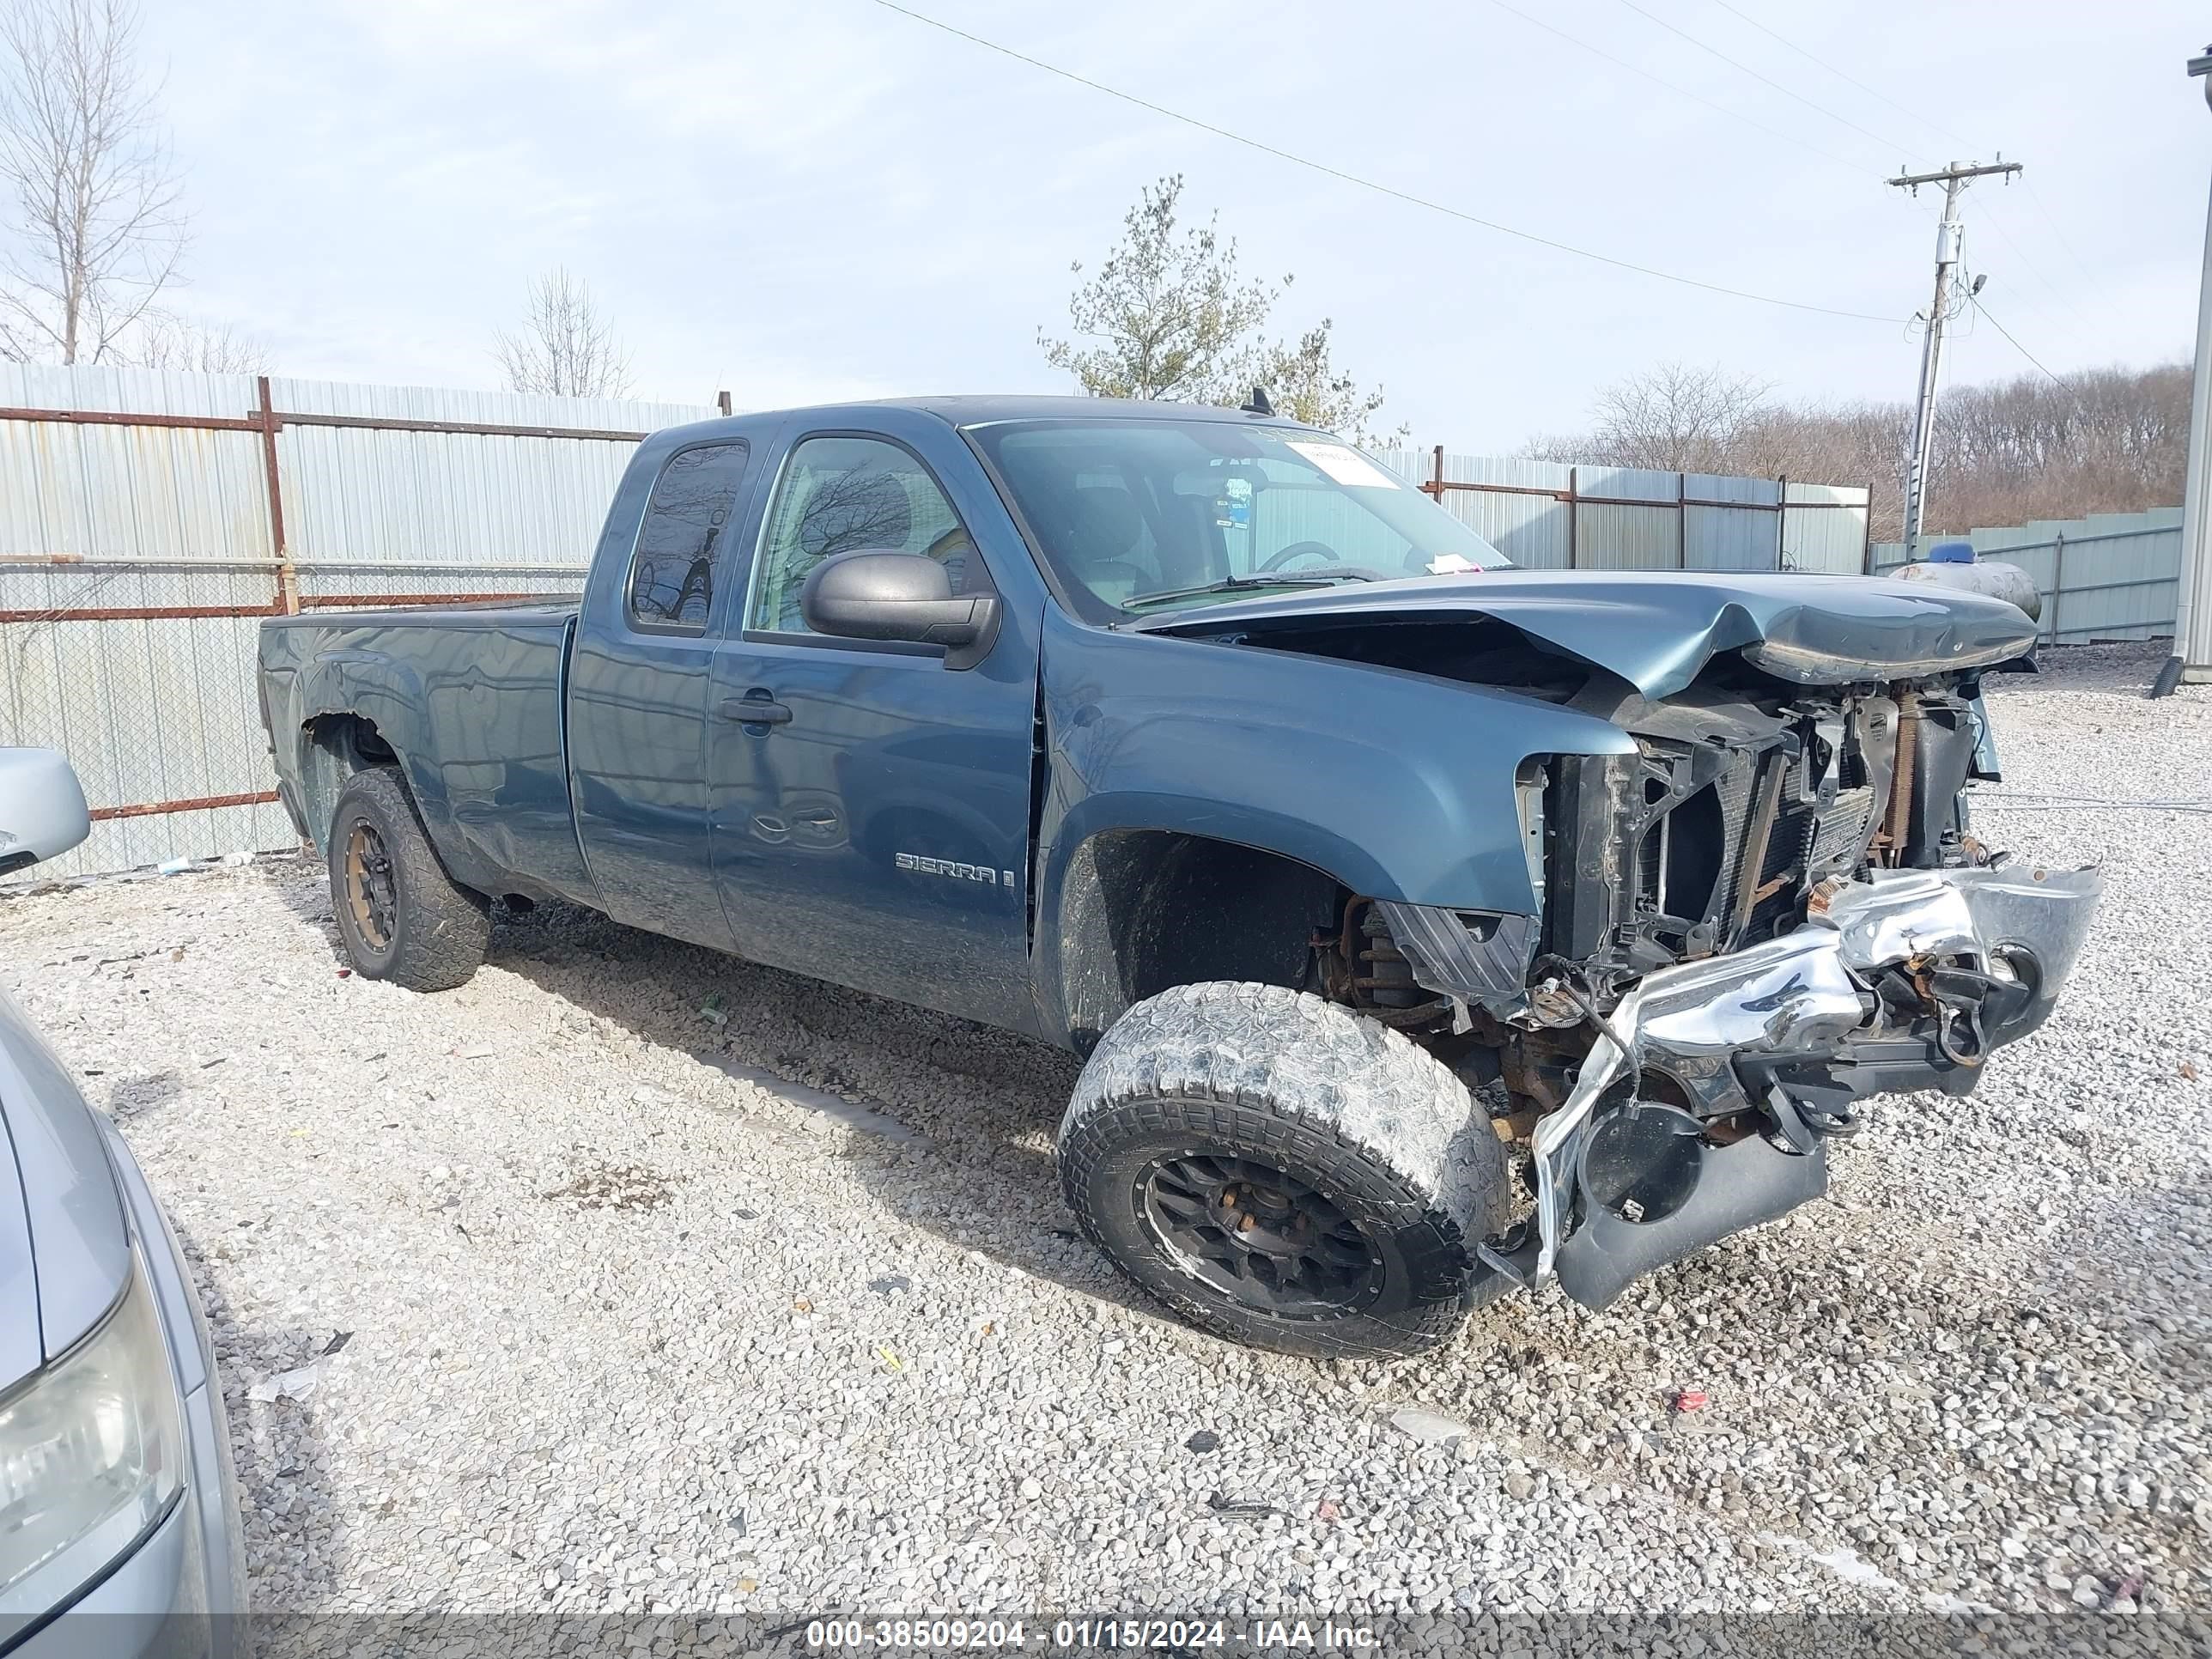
(1283,1172)
(400,915)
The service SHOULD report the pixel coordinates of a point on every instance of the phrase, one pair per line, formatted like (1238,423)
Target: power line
(1755,75)
(2057,230)
(1815,58)
(1994,223)
(1638,69)
(2031,267)
(2016,344)
(2035,196)
(1323,167)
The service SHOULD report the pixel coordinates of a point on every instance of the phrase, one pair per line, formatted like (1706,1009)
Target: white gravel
(637,1325)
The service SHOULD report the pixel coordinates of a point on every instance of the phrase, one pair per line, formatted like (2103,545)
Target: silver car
(120,1526)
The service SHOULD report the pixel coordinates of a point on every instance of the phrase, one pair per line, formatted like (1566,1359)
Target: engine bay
(1734,810)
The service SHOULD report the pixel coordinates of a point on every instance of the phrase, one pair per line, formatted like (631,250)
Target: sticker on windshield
(1345,464)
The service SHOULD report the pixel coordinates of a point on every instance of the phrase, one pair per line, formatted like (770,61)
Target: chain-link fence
(150,521)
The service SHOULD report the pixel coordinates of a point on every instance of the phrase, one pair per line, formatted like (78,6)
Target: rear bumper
(1905,981)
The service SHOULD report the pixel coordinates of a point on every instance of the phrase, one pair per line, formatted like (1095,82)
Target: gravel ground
(643,1320)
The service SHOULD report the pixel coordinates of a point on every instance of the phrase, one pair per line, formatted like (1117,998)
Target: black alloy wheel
(1259,1236)
(370,891)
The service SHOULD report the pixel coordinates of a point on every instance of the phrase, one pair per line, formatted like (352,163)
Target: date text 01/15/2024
(1081,1635)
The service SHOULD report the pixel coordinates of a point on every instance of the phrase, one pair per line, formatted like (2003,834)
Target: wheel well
(1141,910)
(337,747)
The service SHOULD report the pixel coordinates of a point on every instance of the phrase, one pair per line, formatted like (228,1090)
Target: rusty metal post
(1866,534)
(288,578)
(722,401)
(2057,580)
(1436,483)
(1574,537)
(1681,521)
(1782,522)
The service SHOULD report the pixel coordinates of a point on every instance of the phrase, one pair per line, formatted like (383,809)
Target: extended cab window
(841,495)
(671,573)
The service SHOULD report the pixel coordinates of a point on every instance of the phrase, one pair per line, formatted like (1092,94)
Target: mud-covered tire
(421,929)
(1345,1107)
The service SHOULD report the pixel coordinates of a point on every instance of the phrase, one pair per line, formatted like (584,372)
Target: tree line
(2004,453)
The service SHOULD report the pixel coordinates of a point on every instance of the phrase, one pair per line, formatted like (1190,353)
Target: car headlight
(91,1450)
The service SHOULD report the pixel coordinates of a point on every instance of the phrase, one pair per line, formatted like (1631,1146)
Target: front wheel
(400,915)
(1283,1172)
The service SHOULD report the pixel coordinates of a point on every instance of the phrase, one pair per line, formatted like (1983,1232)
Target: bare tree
(566,348)
(1673,418)
(98,226)
(163,339)
(1169,315)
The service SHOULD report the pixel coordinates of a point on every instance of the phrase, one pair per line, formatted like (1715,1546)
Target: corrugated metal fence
(1554,517)
(2109,576)
(148,520)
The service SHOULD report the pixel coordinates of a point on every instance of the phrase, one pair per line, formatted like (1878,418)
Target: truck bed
(469,698)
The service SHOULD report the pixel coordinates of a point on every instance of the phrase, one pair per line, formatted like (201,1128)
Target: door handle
(755,711)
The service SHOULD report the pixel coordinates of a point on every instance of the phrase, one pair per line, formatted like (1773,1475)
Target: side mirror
(42,810)
(871,595)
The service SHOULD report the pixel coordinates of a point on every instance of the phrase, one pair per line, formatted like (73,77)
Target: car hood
(1658,629)
(64,1246)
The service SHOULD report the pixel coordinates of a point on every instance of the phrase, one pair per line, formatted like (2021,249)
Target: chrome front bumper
(1808,997)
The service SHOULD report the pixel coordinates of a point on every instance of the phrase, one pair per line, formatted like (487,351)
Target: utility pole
(1953,179)
(2192,626)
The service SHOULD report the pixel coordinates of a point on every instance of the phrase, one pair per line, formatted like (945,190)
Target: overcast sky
(801,200)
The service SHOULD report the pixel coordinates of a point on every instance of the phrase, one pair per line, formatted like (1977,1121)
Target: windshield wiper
(1241,585)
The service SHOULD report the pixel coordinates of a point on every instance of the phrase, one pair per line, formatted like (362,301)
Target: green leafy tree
(1168,315)
(1303,381)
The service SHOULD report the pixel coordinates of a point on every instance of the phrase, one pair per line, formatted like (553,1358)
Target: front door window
(839,495)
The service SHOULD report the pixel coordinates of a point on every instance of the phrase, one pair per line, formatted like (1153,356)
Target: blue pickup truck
(1433,929)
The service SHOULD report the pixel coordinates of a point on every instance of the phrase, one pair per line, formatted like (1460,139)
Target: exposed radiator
(1803,837)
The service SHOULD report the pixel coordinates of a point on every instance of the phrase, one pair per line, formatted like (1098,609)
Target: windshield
(1138,517)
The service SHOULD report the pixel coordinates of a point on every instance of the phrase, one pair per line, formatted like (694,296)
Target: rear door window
(685,538)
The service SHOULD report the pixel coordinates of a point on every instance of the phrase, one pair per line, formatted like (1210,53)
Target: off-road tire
(439,929)
(1384,1130)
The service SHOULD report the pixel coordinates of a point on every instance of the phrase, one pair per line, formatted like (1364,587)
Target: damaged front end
(1770,910)
(1899,980)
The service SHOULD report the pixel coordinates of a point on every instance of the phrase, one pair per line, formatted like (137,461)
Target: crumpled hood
(1657,629)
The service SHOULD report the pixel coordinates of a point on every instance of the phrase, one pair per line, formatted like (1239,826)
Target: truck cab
(852,809)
